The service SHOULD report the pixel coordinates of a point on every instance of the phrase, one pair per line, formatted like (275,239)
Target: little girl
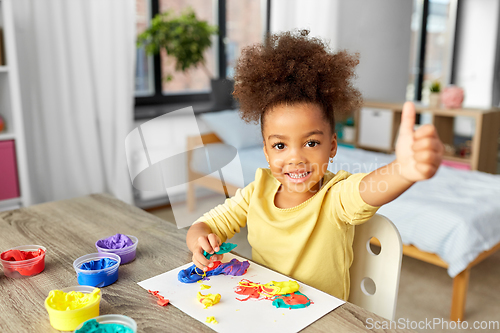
(300,216)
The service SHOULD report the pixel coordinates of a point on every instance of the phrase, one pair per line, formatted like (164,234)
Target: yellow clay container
(68,320)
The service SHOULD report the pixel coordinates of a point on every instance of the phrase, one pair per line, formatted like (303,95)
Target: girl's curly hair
(290,68)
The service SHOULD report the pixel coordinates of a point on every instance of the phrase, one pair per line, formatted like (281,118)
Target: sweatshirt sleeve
(348,206)
(226,219)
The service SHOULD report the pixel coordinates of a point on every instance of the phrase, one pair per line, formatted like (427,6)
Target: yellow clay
(68,310)
(211,320)
(281,288)
(209,299)
(59,300)
(204,286)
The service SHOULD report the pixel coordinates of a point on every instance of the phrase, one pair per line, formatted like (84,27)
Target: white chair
(378,295)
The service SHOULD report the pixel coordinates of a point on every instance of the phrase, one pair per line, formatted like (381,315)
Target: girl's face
(298,143)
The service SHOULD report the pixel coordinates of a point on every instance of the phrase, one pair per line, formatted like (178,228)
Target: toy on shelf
(452,97)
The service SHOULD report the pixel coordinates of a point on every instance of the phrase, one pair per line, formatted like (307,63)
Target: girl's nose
(296,157)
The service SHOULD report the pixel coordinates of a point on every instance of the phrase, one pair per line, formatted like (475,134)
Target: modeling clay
(223,248)
(268,290)
(248,288)
(98,264)
(117,241)
(209,299)
(59,300)
(211,320)
(296,300)
(17,255)
(280,288)
(233,268)
(215,264)
(204,286)
(161,300)
(30,268)
(92,326)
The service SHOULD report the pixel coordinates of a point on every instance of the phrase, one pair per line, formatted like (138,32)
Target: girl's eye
(313,142)
(279,145)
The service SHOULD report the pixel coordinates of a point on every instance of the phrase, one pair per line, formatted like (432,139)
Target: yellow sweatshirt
(311,242)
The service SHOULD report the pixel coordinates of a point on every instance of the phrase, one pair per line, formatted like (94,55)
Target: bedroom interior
(426,289)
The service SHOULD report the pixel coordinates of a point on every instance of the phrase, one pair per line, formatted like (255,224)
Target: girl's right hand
(211,244)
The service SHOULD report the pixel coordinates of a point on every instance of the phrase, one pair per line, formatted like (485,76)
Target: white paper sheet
(236,316)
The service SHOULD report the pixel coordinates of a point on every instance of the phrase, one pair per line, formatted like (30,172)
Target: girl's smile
(298,142)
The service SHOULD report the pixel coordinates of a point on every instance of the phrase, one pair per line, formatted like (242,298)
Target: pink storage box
(456,165)
(9,185)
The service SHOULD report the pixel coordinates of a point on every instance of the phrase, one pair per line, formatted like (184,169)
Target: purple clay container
(127,254)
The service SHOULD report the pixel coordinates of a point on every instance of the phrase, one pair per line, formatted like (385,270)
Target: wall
(378,30)
(476,50)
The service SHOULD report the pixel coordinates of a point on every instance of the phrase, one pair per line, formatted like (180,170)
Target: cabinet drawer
(375,128)
(9,186)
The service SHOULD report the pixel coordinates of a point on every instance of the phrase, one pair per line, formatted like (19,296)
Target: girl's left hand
(418,153)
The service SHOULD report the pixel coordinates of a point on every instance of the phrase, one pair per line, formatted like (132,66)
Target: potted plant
(185,38)
(435,95)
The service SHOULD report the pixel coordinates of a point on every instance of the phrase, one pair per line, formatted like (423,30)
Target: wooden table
(69,229)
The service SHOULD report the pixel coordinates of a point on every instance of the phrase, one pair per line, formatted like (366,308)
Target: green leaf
(183,37)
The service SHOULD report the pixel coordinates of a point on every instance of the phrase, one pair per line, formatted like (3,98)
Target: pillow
(233,130)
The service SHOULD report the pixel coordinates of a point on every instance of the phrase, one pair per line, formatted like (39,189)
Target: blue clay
(93,277)
(98,264)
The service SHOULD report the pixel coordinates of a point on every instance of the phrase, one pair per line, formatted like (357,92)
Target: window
(240,22)
(144,83)
(433,28)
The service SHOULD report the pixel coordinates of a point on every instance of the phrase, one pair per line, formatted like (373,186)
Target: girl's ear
(333,150)
(265,150)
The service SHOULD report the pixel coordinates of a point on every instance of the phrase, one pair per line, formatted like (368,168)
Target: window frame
(422,45)
(158,98)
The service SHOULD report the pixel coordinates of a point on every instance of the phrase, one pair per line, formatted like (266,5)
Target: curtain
(76,64)
(320,17)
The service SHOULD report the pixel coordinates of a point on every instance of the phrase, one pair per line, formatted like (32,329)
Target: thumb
(407,119)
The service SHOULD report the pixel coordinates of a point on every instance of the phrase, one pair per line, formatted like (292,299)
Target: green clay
(223,248)
(92,326)
(300,301)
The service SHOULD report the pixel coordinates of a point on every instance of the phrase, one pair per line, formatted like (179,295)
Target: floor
(424,290)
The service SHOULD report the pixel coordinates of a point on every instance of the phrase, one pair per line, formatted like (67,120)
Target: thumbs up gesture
(418,153)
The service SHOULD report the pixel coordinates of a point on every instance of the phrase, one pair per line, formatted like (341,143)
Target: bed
(451,220)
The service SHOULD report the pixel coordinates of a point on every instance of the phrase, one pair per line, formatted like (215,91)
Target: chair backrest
(383,269)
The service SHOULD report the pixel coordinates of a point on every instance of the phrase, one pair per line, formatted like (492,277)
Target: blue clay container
(97,278)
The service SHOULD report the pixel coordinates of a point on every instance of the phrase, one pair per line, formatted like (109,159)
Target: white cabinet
(14,192)
(375,128)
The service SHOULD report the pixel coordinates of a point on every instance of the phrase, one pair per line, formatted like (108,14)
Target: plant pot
(222,93)
(435,100)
